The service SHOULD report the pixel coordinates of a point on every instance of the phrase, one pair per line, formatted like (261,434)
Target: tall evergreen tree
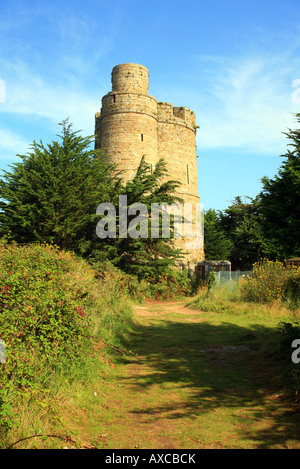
(52,196)
(242,224)
(135,249)
(217,245)
(53,193)
(280,202)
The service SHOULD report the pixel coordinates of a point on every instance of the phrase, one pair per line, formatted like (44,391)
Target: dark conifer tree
(135,250)
(52,194)
(280,202)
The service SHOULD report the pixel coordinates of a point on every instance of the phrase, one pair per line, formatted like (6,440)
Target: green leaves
(216,244)
(280,202)
(53,193)
(53,310)
(38,312)
(146,257)
(52,196)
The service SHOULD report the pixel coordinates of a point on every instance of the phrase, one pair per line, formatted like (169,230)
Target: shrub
(291,291)
(173,284)
(40,313)
(53,309)
(211,280)
(266,283)
(126,284)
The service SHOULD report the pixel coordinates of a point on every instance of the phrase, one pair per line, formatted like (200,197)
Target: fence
(228,276)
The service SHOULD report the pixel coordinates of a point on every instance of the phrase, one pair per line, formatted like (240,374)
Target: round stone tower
(127,124)
(133,124)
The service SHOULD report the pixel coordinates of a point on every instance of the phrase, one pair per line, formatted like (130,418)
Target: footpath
(191,382)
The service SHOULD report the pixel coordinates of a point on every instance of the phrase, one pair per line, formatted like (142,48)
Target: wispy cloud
(31,97)
(11,144)
(30,94)
(56,72)
(248,103)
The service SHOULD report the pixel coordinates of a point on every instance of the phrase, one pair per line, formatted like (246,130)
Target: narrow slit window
(114,98)
(142,137)
(187,174)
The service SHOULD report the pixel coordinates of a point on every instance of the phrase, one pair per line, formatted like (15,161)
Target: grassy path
(194,381)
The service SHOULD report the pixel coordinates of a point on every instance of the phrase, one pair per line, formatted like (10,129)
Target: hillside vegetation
(56,313)
(61,321)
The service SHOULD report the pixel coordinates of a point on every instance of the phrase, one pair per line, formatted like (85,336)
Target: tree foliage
(143,255)
(52,194)
(280,202)
(268,225)
(241,221)
(217,245)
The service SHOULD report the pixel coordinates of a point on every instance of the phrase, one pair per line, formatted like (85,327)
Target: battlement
(166,112)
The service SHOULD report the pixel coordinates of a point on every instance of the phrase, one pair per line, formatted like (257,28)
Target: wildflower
(80,311)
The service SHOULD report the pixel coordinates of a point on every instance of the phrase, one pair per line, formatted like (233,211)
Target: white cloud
(247,105)
(31,97)
(11,144)
(30,94)
(60,76)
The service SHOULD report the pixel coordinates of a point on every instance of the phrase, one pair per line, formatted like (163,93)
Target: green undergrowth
(174,284)
(63,322)
(59,320)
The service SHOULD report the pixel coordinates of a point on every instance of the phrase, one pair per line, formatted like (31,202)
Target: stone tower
(133,123)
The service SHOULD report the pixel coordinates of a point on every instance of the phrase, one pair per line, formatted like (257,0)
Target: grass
(163,377)
(183,388)
(229,298)
(180,387)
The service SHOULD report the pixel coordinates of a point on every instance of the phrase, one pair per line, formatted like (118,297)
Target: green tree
(242,222)
(216,243)
(52,194)
(136,250)
(280,202)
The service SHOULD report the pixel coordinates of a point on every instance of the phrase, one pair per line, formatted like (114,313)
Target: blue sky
(234,63)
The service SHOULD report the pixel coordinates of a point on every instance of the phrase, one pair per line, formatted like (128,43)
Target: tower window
(114,98)
(142,137)
(187,174)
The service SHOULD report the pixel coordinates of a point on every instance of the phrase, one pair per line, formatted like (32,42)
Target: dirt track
(181,388)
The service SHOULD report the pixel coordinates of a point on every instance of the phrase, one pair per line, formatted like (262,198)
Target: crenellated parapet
(166,112)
